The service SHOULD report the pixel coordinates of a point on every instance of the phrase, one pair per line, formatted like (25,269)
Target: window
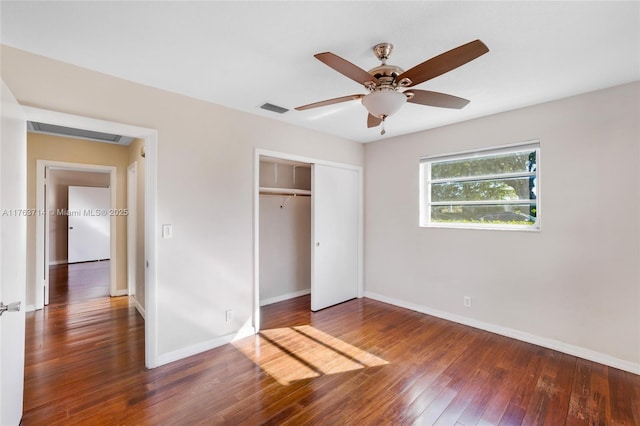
(493,189)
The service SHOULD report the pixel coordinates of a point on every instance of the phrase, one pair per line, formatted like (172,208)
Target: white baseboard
(57,262)
(139,307)
(283,297)
(120,293)
(556,345)
(30,308)
(204,346)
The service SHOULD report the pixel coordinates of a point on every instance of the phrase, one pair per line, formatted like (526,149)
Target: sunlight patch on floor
(303,352)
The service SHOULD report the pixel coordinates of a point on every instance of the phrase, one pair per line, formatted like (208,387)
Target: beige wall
(205,182)
(56,148)
(575,284)
(58,200)
(135,149)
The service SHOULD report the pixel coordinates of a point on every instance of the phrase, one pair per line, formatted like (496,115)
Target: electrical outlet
(467,301)
(228,315)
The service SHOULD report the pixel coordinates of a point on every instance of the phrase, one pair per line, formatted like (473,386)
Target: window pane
(514,162)
(494,190)
(513,214)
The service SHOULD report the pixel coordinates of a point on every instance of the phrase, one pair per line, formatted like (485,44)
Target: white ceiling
(243,54)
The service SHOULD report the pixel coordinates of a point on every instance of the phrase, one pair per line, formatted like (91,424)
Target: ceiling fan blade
(329,102)
(345,67)
(436,99)
(373,121)
(444,62)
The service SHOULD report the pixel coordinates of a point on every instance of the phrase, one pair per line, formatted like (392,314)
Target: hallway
(79,347)
(76,282)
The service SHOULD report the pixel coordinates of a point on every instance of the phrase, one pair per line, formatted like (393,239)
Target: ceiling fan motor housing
(386,74)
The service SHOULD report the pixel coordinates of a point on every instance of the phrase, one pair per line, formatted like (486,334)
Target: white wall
(205,187)
(575,284)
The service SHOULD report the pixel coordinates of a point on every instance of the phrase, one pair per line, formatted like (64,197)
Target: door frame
(132,233)
(256,220)
(150,136)
(42,223)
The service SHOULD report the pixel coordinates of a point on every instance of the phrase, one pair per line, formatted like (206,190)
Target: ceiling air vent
(51,129)
(274,108)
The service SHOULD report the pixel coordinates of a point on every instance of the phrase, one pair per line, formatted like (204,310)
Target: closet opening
(308,237)
(284,231)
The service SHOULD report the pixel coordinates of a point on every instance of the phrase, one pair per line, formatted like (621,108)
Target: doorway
(77,236)
(149,138)
(285,229)
(55,181)
(335,243)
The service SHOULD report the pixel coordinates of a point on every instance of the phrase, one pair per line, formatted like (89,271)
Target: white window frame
(426,182)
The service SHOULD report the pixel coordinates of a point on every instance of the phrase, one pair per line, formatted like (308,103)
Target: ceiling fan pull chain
(383,131)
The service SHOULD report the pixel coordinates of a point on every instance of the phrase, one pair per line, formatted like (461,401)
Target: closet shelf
(284,191)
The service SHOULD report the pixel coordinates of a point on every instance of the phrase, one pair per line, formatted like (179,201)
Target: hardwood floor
(70,283)
(361,362)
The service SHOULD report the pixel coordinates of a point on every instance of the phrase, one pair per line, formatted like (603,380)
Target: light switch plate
(167,231)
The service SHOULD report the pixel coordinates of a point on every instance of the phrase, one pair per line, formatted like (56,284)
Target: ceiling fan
(385,81)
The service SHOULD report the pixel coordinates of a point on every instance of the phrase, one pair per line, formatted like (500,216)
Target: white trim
(481,152)
(188,351)
(118,293)
(151,232)
(86,123)
(255,320)
(132,217)
(150,137)
(30,308)
(556,345)
(255,315)
(284,297)
(300,159)
(42,272)
(58,262)
(139,307)
(198,348)
(426,183)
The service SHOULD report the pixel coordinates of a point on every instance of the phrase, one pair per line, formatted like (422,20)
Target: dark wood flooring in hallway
(362,362)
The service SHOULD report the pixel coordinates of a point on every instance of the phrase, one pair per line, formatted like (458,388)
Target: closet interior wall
(285,230)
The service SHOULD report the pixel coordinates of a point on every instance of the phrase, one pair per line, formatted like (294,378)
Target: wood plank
(85,365)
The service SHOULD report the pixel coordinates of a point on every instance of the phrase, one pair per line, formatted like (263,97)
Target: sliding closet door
(335,236)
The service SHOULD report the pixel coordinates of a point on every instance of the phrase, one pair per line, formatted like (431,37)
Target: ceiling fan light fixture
(384,103)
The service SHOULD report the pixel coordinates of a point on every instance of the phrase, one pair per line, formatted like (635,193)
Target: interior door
(13,254)
(335,235)
(89,224)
